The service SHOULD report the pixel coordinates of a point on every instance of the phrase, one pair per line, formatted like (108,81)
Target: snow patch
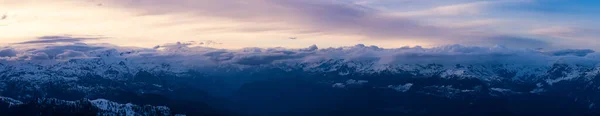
(537,90)
(401,88)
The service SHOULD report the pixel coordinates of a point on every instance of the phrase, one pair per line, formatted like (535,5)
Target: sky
(234,24)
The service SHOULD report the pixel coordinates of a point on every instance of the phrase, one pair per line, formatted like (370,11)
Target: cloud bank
(187,54)
(58,39)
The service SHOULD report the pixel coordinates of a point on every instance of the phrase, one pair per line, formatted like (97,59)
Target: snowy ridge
(11,102)
(72,70)
(110,108)
(105,107)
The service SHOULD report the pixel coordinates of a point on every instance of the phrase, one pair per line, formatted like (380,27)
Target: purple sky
(329,23)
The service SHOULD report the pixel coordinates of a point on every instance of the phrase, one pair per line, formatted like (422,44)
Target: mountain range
(180,79)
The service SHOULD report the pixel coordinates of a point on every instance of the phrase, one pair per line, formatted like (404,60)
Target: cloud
(555,31)
(457,8)
(57,39)
(516,41)
(574,52)
(38,56)
(472,23)
(334,18)
(472,8)
(328,17)
(565,32)
(7,52)
(55,50)
(68,54)
(182,53)
(267,56)
(240,22)
(570,37)
(58,51)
